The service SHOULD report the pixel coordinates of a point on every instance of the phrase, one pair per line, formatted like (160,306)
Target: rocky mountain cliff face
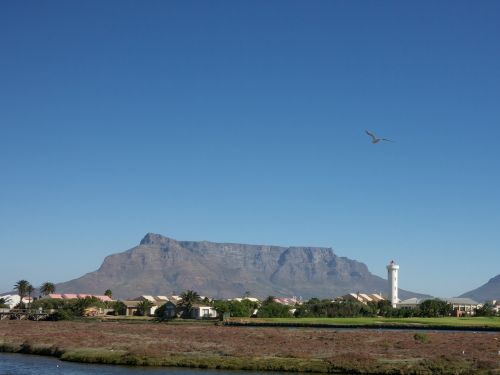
(488,291)
(161,265)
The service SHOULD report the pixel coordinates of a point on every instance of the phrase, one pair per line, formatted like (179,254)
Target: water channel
(24,364)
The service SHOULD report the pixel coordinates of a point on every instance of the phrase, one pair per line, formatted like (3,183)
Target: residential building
(461,306)
(131,307)
(362,297)
(76,295)
(201,311)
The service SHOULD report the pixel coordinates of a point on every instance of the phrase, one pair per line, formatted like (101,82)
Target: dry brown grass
(360,350)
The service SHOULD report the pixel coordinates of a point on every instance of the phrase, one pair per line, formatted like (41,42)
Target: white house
(240,299)
(157,301)
(12,300)
(200,311)
(410,303)
(463,306)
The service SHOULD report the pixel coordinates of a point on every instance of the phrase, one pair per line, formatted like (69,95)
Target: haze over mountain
(160,265)
(488,291)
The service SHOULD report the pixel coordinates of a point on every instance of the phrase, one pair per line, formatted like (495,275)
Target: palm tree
(108,293)
(30,291)
(188,298)
(22,287)
(268,300)
(47,288)
(144,307)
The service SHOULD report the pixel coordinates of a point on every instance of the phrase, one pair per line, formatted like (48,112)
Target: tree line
(269,308)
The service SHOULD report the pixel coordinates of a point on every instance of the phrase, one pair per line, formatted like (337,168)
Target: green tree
(22,288)
(144,307)
(50,304)
(188,299)
(269,299)
(485,310)
(67,309)
(47,288)
(245,308)
(30,291)
(433,308)
(108,293)
(337,309)
(62,314)
(383,308)
(222,307)
(272,309)
(119,308)
(80,305)
(64,309)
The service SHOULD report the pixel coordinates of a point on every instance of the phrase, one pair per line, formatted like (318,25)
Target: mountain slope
(161,265)
(488,291)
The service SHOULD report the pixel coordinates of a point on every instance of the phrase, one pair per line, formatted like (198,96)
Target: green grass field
(449,322)
(493,322)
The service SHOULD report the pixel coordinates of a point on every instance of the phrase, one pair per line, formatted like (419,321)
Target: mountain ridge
(162,265)
(488,291)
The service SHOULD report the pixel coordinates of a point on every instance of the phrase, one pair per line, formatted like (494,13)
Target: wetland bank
(264,348)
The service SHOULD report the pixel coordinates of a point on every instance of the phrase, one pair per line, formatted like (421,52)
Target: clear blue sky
(243,121)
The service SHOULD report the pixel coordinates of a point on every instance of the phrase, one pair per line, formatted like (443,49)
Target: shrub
(421,337)
(119,308)
(433,308)
(338,309)
(61,314)
(273,310)
(245,308)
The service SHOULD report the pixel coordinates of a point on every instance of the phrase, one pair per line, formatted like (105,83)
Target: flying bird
(376,139)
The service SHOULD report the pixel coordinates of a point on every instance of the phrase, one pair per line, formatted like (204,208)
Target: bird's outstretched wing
(371,134)
(388,140)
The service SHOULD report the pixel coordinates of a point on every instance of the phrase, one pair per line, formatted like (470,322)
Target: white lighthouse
(392,277)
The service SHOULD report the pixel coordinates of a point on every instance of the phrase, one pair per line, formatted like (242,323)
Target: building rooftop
(453,301)
(460,301)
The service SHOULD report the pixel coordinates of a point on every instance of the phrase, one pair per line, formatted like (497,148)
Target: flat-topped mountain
(488,291)
(160,265)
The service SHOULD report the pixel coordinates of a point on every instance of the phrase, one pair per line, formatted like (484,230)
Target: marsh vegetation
(216,346)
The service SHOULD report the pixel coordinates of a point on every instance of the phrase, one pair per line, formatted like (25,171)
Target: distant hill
(160,265)
(488,291)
